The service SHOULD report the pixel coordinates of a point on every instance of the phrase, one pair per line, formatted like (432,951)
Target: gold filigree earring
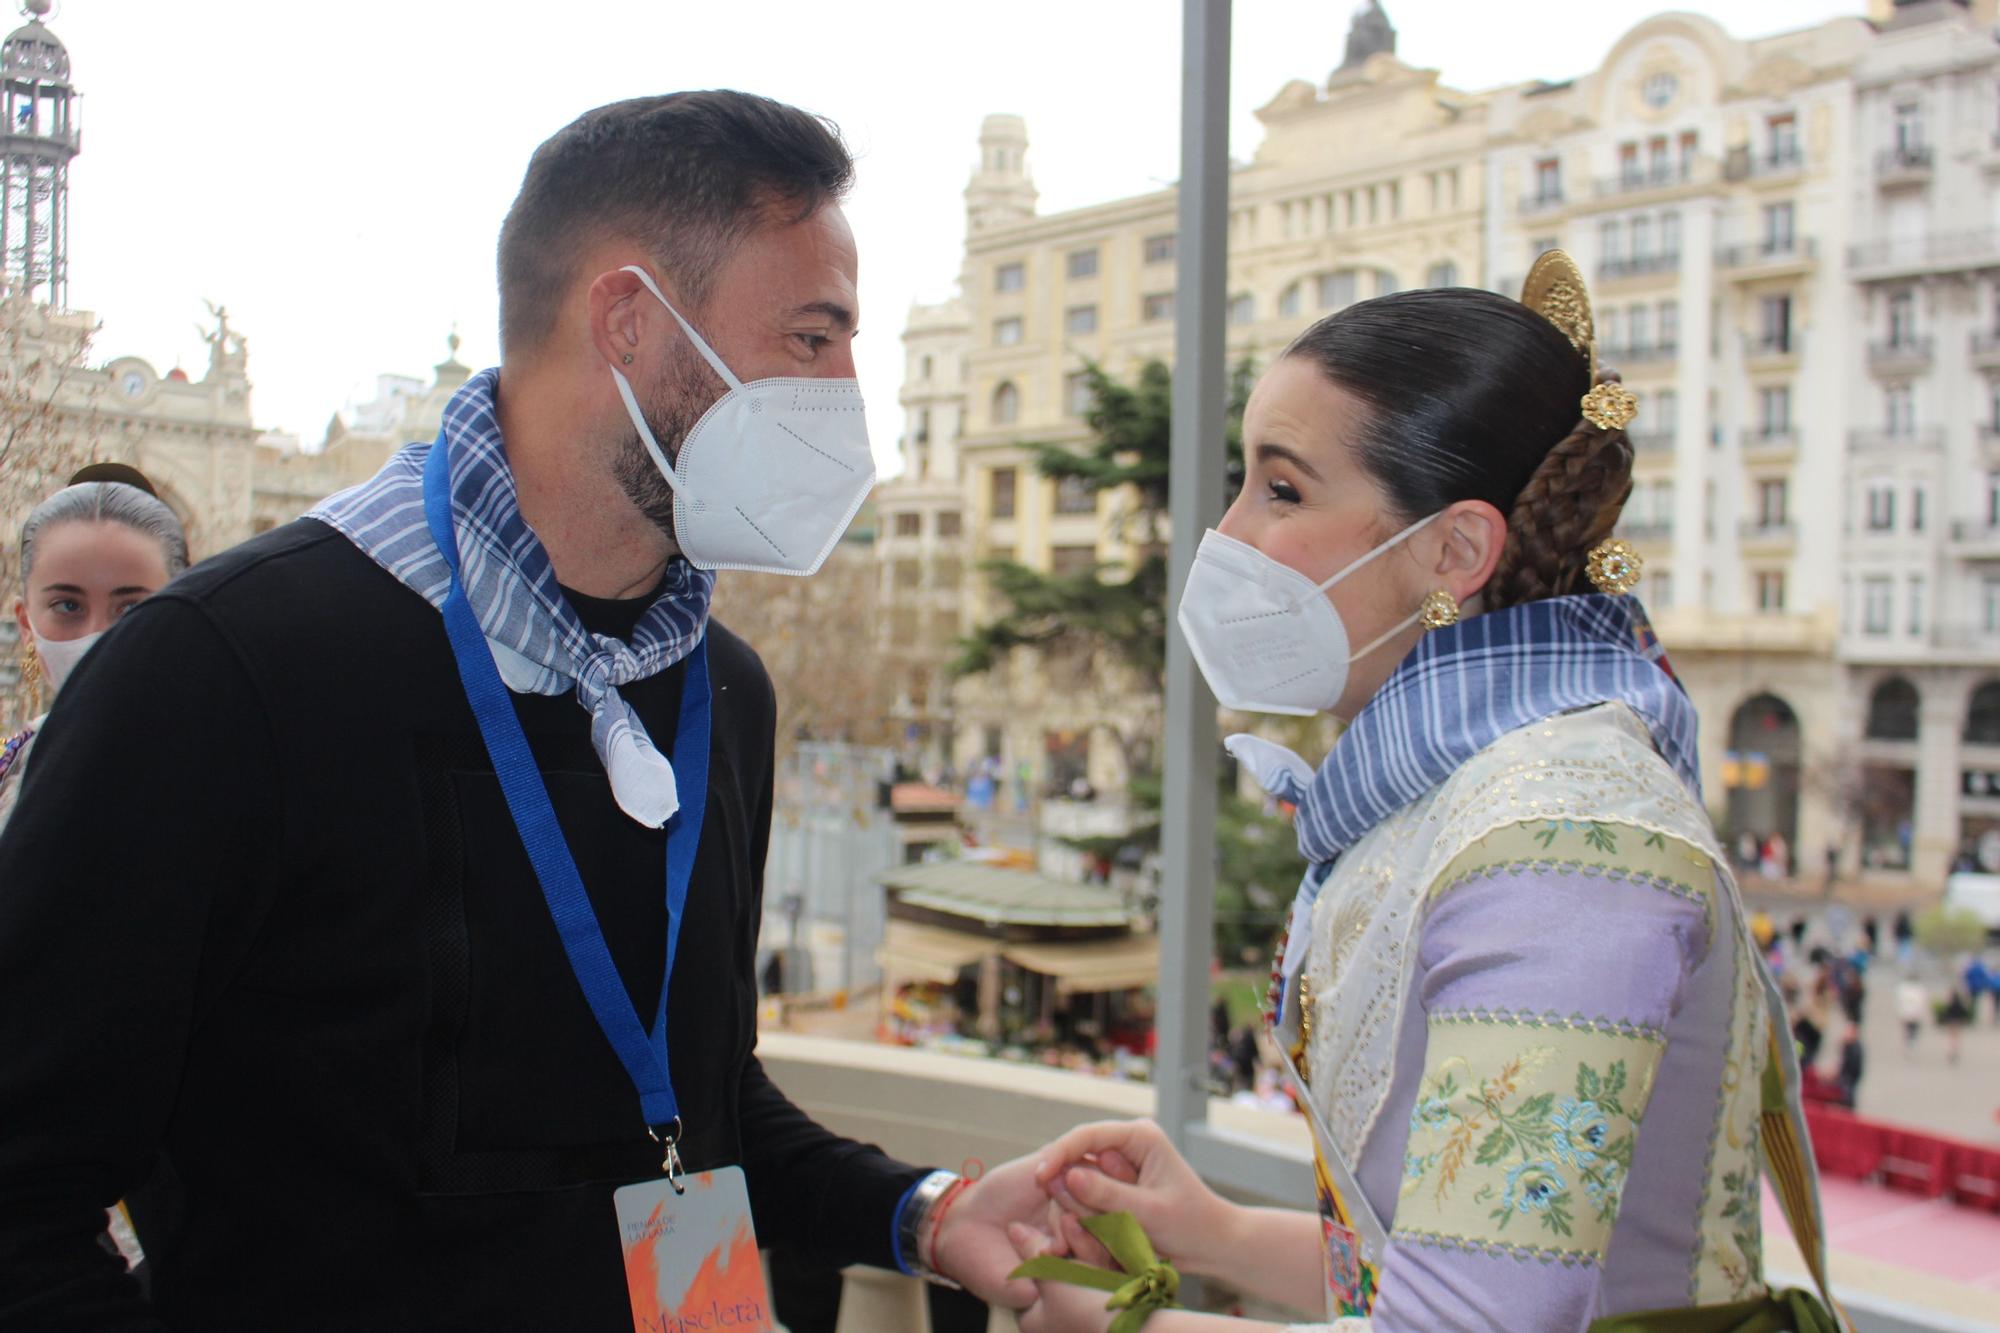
(1440,609)
(1614,567)
(31,677)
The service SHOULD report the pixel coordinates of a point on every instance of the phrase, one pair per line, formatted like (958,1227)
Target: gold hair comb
(1555,291)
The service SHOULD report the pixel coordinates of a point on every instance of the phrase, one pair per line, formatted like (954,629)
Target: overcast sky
(336,174)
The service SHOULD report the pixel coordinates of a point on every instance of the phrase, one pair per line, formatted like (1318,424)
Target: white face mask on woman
(1267,638)
(60,656)
(773,472)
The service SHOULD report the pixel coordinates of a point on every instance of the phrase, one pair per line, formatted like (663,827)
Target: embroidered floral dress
(1533,1026)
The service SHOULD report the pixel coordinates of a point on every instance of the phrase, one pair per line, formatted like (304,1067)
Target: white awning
(1089,966)
(931,953)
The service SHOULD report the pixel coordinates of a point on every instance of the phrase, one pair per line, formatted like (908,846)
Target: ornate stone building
(1917,720)
(1702,183)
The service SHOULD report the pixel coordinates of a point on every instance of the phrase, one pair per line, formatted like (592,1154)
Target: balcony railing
(1778,162)
(1768,345)
(1771,250)
(1769,440)
(1952,249)
(1638,353)
(1904,162)
(1650,530)
(1965,638)
(1927,438)
(1767,530)
(1542,201)
(1652,178)
(1985,345)
(1652,441)
(1906,351)
(28,138)
(1975,532)
(1638,266)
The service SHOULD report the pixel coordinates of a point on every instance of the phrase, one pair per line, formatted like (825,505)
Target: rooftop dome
(32,51)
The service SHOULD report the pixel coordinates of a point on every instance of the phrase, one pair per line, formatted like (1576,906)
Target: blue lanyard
(643,1053)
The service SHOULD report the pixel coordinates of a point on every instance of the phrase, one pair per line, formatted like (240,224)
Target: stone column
(1938,731)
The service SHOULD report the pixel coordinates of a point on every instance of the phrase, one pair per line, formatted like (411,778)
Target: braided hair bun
(1570,504)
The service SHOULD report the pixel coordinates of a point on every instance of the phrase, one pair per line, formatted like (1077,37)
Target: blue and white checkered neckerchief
(539,643)
(1463,688)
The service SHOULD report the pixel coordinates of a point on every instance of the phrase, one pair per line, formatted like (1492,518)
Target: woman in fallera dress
(1518,992)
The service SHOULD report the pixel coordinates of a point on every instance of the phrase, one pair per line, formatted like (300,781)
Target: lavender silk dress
(1541,1057)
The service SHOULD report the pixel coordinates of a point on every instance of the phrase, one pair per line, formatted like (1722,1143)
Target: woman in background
(89,553)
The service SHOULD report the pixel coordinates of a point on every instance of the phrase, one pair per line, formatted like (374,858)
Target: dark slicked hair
(1472,396)
(687,175)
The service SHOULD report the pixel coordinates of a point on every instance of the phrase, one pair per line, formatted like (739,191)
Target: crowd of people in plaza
(1824,968)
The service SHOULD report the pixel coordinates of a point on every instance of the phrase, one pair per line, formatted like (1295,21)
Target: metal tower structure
(38,137)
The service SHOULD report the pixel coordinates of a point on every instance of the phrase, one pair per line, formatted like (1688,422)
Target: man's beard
(675,404)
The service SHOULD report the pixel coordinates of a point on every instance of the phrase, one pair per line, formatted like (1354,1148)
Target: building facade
(1919,648)
(1703,184)
(1791,243)
(921,538)
(1314,223)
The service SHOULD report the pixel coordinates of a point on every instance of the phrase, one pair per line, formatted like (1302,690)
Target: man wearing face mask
(427,933)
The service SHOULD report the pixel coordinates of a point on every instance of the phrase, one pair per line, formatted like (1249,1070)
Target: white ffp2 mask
(1266,637)
(771,475)
(60,656)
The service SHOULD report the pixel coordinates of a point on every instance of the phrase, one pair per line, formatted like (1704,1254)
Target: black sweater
(275,968)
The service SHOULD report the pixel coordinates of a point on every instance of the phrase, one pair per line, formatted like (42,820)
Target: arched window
(1444,273)
(1892,711)
(1982,720)
(1006,404)
(1762,778)
(1339,290)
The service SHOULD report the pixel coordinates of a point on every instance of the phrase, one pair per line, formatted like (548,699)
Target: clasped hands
(1034,1205)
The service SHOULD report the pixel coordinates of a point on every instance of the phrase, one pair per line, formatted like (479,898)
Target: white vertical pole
(1187,843)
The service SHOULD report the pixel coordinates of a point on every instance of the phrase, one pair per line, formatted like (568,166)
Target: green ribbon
(1147,1282)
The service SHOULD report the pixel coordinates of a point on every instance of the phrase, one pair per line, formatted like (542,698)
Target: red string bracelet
(971,1171)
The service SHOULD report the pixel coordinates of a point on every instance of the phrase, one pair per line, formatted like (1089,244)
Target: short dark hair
(1472,396)
(689,175)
